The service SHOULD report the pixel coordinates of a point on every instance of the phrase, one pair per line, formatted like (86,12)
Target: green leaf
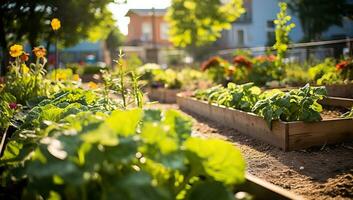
(210,190)
(219,159)
(123,123)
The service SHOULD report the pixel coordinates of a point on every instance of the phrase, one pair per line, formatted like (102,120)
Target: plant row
(296,105)
(265,71)
(61,141)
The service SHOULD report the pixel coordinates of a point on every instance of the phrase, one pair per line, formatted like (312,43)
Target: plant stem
(122,86)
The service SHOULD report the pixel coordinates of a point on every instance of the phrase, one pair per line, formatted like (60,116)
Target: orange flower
(271,58)
(242,60)
(40,52)
(16,50)
(92,85)
(211,62)
(263,58)
(344,64)
(24,57)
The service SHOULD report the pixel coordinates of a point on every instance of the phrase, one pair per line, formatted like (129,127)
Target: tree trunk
(3,44)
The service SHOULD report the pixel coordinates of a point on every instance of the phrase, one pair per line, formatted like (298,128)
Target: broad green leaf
(210,190)
(123,123)
(219,159)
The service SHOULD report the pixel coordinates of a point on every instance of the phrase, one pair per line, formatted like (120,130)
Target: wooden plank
(342,90)
(337,102)
(243,122)
(303,135)
(262,190)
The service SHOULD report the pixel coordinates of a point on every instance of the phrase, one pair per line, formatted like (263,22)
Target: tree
(196,23)
(28,20)
(114,39)
(316,16)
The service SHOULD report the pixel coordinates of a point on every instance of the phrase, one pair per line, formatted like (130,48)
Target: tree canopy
(28,20)
(316,16)
(196,23)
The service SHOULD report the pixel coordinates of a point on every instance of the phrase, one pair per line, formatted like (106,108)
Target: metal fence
(302,52)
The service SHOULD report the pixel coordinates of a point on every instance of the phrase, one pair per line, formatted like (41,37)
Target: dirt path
(317,173)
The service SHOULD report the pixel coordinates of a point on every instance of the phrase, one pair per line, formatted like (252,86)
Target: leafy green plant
(71,145)
(241,97)
(7,109)
(264,70)
(149,154)
(124,84)
(296,75)
(27,83)
(283,28)
(324,73)
(296,105)
(219,70)
(167,78)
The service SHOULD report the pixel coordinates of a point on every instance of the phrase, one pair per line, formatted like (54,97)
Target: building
(86,52)
(255,28)
(147,34)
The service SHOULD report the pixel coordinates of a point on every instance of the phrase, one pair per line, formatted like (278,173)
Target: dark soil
(317,173)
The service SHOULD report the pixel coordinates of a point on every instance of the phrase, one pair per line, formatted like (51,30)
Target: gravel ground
(318,173)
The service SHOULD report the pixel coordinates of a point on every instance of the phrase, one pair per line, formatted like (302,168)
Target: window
(271,38)
(240,38)
(270,24)
(164,31)
(146,31)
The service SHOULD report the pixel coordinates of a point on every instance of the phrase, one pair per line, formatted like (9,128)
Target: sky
(119,10)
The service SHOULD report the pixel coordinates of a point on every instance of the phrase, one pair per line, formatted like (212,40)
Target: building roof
(85,46)
(146,12)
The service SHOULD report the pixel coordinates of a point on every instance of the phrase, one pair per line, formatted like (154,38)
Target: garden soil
(324,172)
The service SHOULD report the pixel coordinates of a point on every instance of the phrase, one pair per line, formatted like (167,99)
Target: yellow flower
(76,77)
(25,69)
(61,76)
(55,24)
(92,85)
(40,51)
(16,50)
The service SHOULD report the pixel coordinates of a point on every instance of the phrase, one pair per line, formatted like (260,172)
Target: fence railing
(302,52)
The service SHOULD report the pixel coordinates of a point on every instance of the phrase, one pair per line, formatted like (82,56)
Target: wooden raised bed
(262,190)
(344,90)
(162,95)
(285,135)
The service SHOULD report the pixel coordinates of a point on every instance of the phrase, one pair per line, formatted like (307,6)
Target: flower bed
(285,135)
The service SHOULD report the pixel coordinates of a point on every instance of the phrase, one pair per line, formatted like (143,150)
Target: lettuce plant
(133,154)
(296,105)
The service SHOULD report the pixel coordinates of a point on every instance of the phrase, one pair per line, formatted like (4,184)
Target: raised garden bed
(344,90)
(262,190)
(285,135)
(162,95)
